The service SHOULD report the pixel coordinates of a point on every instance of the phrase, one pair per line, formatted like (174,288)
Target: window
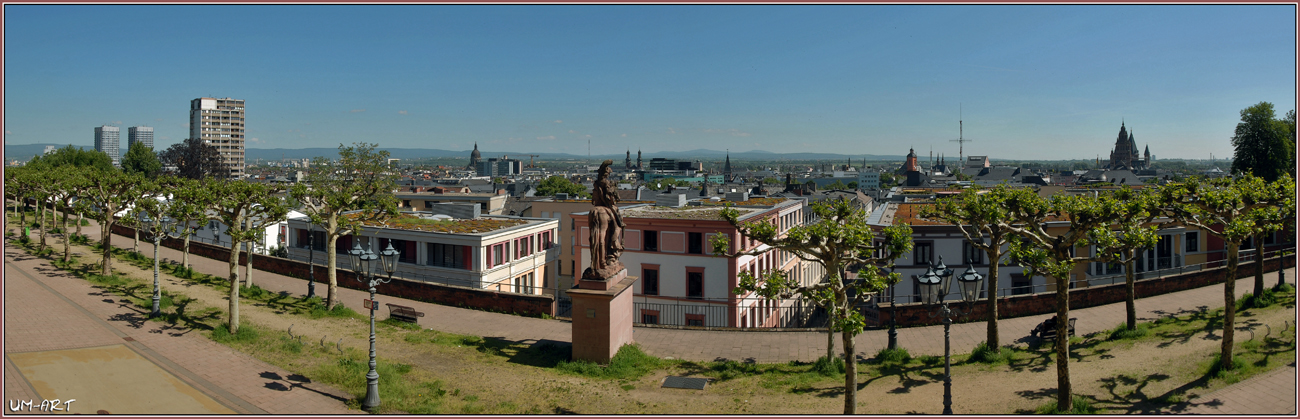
(922,253)
(971,254)
(546,238)
(524,284)
(1020,284)
(343,245)
(428,204)
(695,285)
(497,255)
(447,255)
(695,243)
(695,320)
(1268,237)
(1193,242)
(650,241)
(405,249)
(523,247)
(649,317)
(406,203)
(650,281)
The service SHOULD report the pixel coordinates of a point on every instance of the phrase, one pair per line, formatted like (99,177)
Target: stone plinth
(602,318)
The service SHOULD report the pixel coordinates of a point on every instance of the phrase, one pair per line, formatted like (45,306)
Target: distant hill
(24,152)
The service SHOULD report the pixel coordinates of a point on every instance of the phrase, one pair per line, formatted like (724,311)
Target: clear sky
(1033,82)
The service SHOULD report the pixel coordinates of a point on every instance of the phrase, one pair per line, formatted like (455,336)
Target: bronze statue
(606,225)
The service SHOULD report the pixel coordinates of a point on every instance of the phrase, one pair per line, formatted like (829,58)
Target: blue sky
(1033,82)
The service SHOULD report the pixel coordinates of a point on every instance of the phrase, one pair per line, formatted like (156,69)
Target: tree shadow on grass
(542,353)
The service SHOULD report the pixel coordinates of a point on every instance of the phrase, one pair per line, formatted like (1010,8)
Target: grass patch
(985,355)
(1080,406)
(398,323)
(315,308)
(247,333)
(629,363)
(1122,332)
(399,389)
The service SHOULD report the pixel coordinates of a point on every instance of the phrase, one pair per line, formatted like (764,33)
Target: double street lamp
(367,272)
(935,286)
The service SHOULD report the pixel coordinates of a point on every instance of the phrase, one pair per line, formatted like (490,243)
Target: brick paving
(698,345)
(1271,393)
(40,298)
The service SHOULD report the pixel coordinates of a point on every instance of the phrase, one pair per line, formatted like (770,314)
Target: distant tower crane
(530,160)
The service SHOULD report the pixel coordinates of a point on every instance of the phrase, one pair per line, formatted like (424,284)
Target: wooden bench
(1047,333)
(403,313)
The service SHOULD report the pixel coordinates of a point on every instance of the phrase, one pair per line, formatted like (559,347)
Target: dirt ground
(1113,374)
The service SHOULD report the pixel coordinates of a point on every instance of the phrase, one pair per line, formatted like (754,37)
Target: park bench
(1048,333)
(403,313)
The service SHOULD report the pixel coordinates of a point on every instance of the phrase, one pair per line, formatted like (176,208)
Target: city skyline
(1032,82)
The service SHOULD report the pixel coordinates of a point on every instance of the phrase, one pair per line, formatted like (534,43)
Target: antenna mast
(961,141)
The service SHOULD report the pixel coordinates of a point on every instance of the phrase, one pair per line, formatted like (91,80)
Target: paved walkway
(64,338)
(768,347)
(1269,393)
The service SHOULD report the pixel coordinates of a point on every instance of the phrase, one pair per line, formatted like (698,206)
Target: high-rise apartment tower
(143,135)
(107,140)
(220,123)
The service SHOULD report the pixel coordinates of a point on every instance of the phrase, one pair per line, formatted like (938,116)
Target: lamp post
(363,267)
(311,259)
(935,286)
(893,333)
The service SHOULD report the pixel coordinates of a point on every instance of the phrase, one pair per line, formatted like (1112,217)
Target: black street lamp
(364,268)
(893,333)
(311,259)
(935,286)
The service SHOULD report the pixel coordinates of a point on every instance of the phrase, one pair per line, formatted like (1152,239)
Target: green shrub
(1231,374)
(164,302)
(729,369)
(316,309)
(983,354)
(894,356)
(1122,332)
(1081,405)
(1264,299)
(829,367)
(254,292)
(246,334)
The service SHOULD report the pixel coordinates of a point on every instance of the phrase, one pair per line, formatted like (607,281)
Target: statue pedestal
(602,317)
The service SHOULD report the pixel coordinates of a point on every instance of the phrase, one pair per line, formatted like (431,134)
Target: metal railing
(1097,281)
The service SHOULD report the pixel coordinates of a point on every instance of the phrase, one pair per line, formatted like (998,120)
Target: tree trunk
(1229,308)
(44,226)
(136,246)
(994,255)
(331,260)
(1130,289)
(81,217)
(67,240)
(107,242)
(1259,264)
(850,375)
(1064,400)
(234,290)
(830,333)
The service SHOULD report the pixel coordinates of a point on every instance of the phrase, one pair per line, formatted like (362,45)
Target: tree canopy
(1265,146)
(74,156)
(359,180)
(558,184)
(193,159)
(141,159)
